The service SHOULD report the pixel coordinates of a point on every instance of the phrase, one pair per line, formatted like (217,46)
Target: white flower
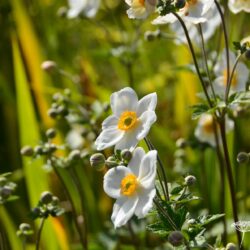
(132,186)
(239,5)
(87,7)
(194,12)
(140,9)
(239,79)
(130,121)
(74,137)
(208,28)
(204,131)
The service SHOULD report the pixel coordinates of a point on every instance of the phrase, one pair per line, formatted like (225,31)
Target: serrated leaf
(176,190)
(198,110)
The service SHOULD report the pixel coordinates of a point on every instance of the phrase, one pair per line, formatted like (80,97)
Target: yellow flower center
(208,125)
(128,120)
(142,2)
(129,185)
(234,81)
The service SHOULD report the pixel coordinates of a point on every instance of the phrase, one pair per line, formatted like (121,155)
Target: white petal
(92,8)
(108,138)
(123,210)
(147,119)
(134,164)
(242,73)
(148,102)
(145,203)
(123,100)
(112,181)
(169,18)
(110,122)
(128,141)
(147,170)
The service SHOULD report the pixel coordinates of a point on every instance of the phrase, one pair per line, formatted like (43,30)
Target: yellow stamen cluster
(128,120)
(129,185)
(208,125)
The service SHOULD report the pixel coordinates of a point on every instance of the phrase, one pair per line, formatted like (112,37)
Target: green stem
(39,233)
(229,174)
(194,58)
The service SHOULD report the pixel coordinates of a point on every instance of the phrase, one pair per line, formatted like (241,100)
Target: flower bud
(52,113)
(111,162)
(6,192)
(126,155)
(242,157)
(49,66)
(51,133)
(27,151)
(176,238)
(24,227)
(97,161)
(62,110)
(181,143)
(46,197)
(247,54)
(55,201)
(74,155)
(190,180)
(179,4)
(231,246)
(38,150)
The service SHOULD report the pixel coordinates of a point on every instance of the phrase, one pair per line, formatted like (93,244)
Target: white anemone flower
(130,121)
(204,131)
(239,79)
(239,5)
(208,28)
(140,9)
(194,12)
(132,186)
(87,7)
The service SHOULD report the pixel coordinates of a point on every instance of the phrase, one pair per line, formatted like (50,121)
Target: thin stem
(39,233)
(206,59)
(232,76)
(194,58)
(226,46)
(151,147)
(24,243)
(222,178)
(75,216)
(229,174)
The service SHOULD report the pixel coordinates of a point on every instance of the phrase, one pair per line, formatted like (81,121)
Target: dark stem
(206,59)
(151,147)
(75,216)
(222,178)
(226,46)
(39,233)
(229,174)
(194,58)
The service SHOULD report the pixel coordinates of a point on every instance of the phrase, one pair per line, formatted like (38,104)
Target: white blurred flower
(239,79)
(204,131)
(239,5)
(87,7)
(130,121)
(132,186)
(194,12)
(140,9)
(74,138)
(208,28)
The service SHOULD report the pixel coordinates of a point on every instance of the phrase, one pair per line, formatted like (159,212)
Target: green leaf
(198,110)
(176,190)
(158,228)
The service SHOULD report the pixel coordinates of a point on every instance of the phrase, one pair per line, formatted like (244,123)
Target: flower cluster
(133,185)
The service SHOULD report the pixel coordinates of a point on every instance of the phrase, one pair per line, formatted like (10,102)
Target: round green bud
(149,36)
(49,66)
(27,151)
(179,4)
(242,157)
(62,110)
(52,113)
(176,238)
(181,143)
(51,133)
(111,162)
(24,227)
(126,155)
(231,246)
(97,161)
(38,150)
(74,155)
(190,180)
(55,201)
(46,197)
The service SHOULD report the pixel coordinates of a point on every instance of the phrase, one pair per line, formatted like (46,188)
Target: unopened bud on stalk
(242,157)
(181,143)
(97,161)
(74,155)
(49,66)
(231,246)
(176,238)
(51,133)
(126,155)
(46,197)
(27,151)
(24,227)
(111,162)
(52,113)
(179,4)
(190,180)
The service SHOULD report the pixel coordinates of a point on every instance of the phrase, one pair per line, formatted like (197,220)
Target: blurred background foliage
(96,57)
